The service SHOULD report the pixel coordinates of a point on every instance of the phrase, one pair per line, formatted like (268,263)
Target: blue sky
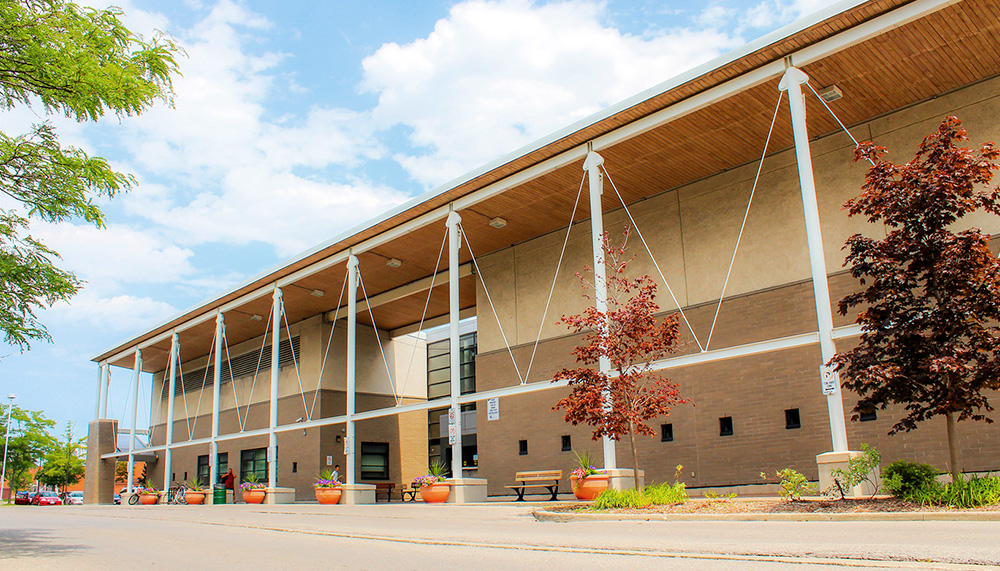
(295,121)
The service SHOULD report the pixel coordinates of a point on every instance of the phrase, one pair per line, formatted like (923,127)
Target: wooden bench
(384,488)
(548,479)
(411,492)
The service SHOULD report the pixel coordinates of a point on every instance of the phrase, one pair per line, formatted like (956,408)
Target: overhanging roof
(884,55)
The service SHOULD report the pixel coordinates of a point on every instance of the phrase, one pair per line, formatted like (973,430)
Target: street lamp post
(6,441)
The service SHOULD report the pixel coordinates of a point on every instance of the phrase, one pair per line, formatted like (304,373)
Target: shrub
(652,495)
(793,484)
(859,469)
(911,481)
(972,493)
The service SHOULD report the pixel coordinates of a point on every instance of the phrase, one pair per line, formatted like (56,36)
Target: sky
(295,121)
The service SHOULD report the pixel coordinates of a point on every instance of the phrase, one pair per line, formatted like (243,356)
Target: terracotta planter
(435,493)
(148,499)
(590,487)
(254,496)
(328,495)
(194,498)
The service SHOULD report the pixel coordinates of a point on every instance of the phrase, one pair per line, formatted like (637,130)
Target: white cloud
(121,313)
(494,76)
(774,13)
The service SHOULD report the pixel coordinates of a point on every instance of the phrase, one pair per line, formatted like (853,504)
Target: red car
(46,499)
(22,498)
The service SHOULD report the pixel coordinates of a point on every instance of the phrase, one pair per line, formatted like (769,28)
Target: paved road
(418,536)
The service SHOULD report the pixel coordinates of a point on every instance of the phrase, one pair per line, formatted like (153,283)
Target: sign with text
(830,379)
(347,446)
(451,434)
(329,460)
(493,408)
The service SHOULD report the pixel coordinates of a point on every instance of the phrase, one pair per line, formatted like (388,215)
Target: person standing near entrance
(336,473)
(230,482)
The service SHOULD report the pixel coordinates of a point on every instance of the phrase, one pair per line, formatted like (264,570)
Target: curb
(565,517)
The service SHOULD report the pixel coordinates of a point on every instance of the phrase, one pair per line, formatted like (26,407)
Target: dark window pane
(726,426)
(567,443)
(374,460)
(792,418)
(666,433)
(522,447)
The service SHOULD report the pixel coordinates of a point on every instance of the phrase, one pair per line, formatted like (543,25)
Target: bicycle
(175,495)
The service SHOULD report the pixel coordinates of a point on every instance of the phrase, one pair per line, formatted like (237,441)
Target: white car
(74,499)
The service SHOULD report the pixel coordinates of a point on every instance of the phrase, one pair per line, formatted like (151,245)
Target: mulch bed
(810,505)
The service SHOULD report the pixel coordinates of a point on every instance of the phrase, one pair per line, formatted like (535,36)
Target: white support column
(100,391)
(792,82)
(596,179)
(136,371)
(454,308)
(213,447)
(272,436)
(352,349)
(169,423)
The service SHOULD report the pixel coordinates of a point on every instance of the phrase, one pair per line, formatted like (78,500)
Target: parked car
(73,498)
(22,498)
(46,499)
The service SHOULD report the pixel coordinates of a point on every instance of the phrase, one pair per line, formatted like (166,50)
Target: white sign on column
(493,408)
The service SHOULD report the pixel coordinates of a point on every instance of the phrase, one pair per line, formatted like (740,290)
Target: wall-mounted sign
(830,379)
(329,460)
(493,408)
(451,434)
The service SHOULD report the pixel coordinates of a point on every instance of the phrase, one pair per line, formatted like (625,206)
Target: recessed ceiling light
(498,222)
(393,263)
(831,94)
(317,293)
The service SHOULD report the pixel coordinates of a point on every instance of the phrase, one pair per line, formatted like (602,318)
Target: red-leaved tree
(930,338)
(620,401)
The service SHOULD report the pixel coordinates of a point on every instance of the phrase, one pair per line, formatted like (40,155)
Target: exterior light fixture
(830,94)
(317,293)
(498,222)
(393,263)
(6,441)
(256,317)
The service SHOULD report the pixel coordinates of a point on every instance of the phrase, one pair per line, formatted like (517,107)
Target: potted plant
(148,495)
(433,488)
(252,489)
(588,482)
(328,489)
(195,493)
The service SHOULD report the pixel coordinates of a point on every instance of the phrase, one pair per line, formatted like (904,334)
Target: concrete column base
(622,479)
(99,486)
(125,497)
(280,496)
(829,461)
(357,494)
(466,490)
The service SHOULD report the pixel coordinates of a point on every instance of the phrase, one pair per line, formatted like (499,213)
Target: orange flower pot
(590,487)
(194,498)
(435,493)
(254,496)
(148,499)
(328,495)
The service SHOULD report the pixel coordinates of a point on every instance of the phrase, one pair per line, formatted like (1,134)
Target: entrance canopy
(882,55)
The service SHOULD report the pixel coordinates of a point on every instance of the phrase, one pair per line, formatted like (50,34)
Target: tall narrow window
(792,419)
(567,443)
(253,462)
(374,461)
(203,470)
(522,447)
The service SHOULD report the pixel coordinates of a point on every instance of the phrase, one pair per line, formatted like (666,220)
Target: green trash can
(219,494)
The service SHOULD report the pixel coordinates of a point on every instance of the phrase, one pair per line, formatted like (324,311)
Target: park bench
(384,488)
(411,492)
(548,479)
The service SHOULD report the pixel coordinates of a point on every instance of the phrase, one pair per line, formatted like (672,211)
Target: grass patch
(655,495)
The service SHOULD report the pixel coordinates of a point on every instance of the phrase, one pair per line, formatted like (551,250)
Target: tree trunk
(954,467)
(635,458)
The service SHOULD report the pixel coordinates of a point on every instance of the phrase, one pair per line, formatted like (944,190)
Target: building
(356,379)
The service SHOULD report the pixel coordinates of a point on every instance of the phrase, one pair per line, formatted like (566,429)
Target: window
(726,426)
(223,463)
(439,366)
(522,447)
(253,462)
(792,418)
(295,467)
(868,415)
(204,470)
(374,461)
(567,443)
(666,433)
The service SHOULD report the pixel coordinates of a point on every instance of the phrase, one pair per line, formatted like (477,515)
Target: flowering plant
(435,475)
(252,483)
(326,480)
(148,489)
(584,467)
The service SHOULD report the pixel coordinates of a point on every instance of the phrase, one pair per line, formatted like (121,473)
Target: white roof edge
(676,81)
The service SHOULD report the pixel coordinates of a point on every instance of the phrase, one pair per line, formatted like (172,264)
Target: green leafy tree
(81,63)
(64,465)
(30,441)
(930,337)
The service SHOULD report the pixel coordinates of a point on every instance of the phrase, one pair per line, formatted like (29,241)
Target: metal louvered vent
(242,366)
